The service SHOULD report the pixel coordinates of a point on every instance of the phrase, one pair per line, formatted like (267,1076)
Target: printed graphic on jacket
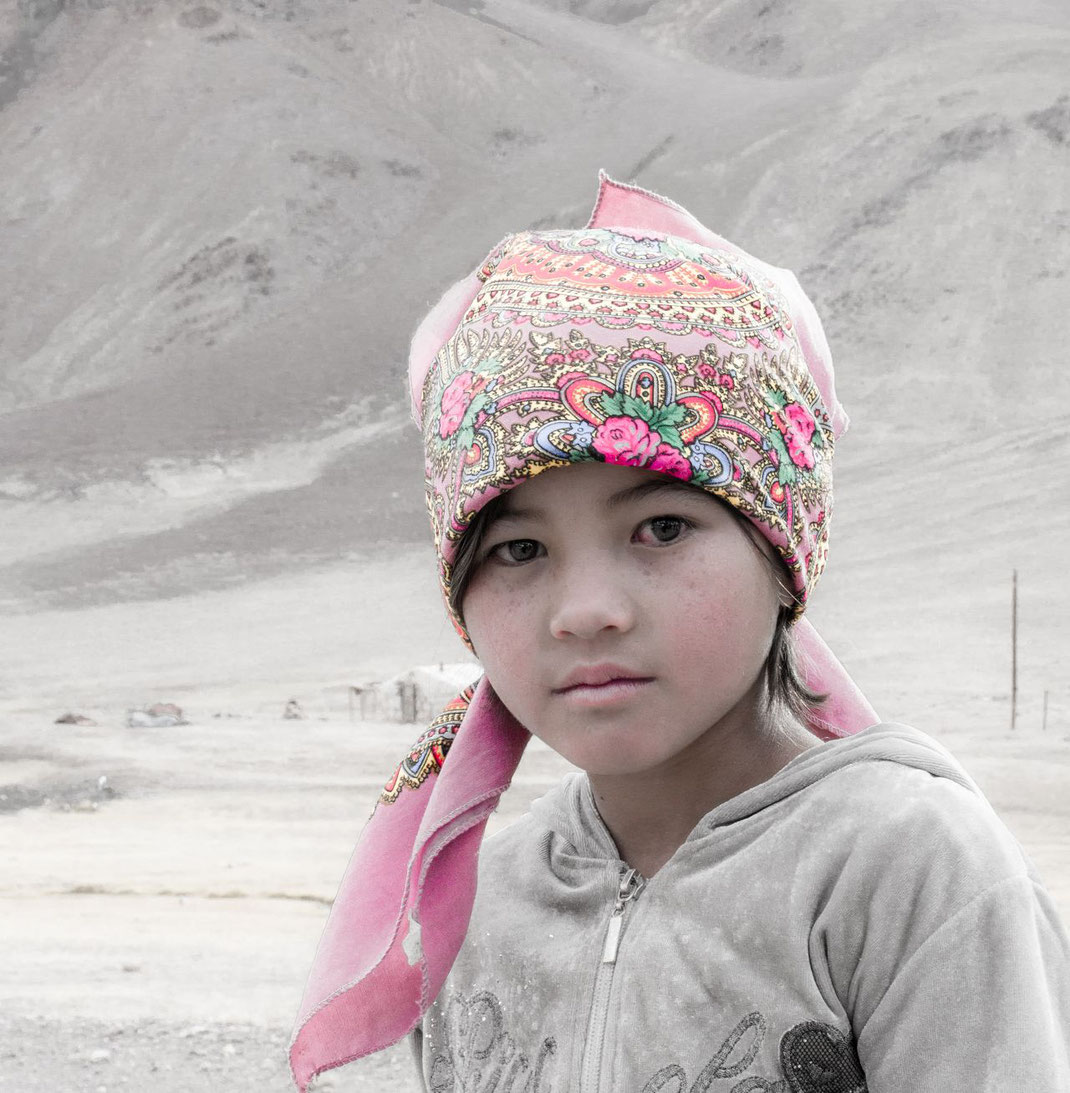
(481,1057)
(815,1058)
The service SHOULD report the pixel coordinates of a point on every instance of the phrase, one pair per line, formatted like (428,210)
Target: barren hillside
(222,220)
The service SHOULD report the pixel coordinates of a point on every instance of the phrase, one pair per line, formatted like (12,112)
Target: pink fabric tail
(405,900)
(846,710)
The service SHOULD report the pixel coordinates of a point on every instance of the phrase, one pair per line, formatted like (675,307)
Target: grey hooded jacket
(860,921)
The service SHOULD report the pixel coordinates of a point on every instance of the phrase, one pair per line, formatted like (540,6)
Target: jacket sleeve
(983,1004)
(944,949)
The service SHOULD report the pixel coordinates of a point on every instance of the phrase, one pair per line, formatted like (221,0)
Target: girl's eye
(666,529)
(514,551)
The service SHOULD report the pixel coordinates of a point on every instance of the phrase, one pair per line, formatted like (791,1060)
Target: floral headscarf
(678,353)
(642,340)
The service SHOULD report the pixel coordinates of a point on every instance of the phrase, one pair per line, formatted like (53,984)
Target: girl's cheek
(497,611)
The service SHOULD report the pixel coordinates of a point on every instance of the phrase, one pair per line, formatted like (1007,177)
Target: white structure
(414,696)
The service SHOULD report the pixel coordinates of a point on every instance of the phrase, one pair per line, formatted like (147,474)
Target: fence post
(1014,650)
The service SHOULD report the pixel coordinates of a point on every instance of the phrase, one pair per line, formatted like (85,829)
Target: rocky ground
(43,1055)
(162,892)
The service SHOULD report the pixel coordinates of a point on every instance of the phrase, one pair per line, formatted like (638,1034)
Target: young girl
(754,885)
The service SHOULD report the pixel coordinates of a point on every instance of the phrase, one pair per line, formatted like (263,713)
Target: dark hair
(783,677)
(784,681)
(464,562)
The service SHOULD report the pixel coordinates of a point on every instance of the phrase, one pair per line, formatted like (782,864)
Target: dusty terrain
(159,926)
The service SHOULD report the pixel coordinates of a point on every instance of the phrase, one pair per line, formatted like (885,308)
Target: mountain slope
(222,221)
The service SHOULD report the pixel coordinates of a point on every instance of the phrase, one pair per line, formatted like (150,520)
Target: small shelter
(416,695)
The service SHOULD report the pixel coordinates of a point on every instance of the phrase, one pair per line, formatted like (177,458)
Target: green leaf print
(668,415)
(634,407)
(464,437)
(613,405)
(473,410)
(785,468)
(670,435)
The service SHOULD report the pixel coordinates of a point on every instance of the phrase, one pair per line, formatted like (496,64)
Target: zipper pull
(631,884)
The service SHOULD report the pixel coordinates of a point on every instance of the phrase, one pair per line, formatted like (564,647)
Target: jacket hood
(569,810)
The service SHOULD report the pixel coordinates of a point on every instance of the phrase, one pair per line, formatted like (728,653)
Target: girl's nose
(589,599)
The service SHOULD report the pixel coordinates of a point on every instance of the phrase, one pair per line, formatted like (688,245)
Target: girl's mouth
(601,684)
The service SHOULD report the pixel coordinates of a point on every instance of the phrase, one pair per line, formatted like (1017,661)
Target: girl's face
(622,616)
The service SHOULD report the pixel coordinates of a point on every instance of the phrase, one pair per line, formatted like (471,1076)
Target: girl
(754,884)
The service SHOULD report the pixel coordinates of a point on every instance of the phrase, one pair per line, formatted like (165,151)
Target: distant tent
(415,696)
(161,715)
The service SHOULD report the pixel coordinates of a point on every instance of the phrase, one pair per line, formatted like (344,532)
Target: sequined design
(815,1058)
(478,1052)
(428,753)
(818,1058)
(478,1049)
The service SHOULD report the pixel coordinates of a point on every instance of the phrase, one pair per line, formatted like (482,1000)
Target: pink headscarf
(643,339)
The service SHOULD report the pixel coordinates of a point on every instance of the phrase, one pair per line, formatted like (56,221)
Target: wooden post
(1014,650)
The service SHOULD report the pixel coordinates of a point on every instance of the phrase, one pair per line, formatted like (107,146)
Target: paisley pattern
(641,350)
(428,753)
(620,282)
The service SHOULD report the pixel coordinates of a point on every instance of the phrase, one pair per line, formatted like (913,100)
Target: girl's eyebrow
(627,496)
(645,489)
(504,515)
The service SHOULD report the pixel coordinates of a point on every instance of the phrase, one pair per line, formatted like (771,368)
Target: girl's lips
(604,694)
(595,675)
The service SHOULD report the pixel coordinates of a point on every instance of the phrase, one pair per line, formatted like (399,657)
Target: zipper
(628,890)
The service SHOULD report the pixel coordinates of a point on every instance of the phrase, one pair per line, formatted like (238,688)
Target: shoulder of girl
(902,817)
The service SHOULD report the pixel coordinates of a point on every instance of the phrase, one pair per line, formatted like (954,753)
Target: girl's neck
(650,814)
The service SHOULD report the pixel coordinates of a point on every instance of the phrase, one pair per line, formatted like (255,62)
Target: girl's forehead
(603,485)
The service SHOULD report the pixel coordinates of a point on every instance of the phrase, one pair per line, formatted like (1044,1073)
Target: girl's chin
(619,755)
